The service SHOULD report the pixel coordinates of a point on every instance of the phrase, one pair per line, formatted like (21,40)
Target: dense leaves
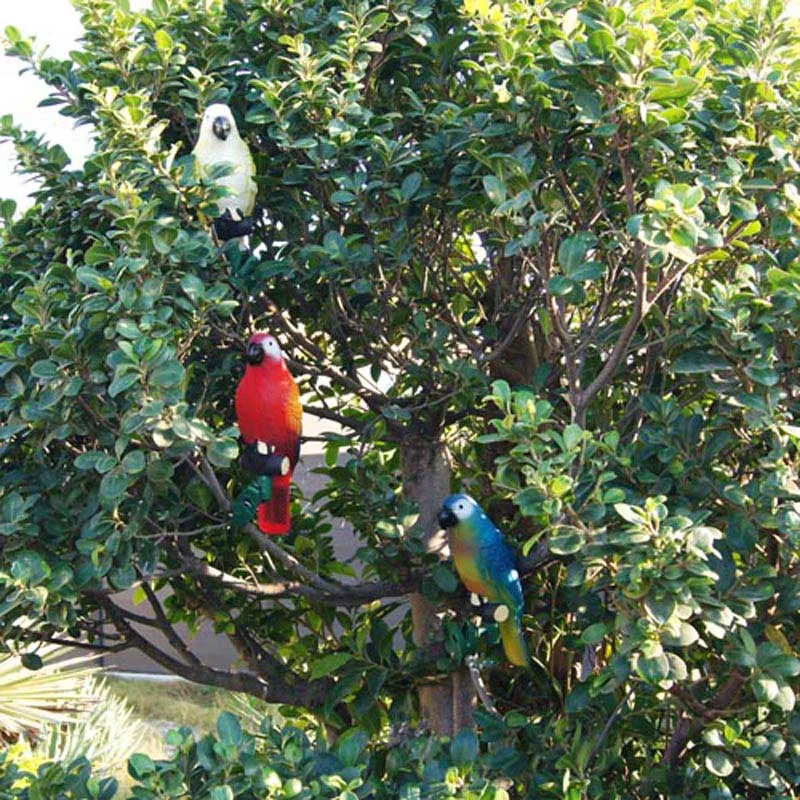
(558,240)
(235,764)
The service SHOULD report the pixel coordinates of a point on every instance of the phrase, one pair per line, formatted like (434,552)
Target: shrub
(545,250)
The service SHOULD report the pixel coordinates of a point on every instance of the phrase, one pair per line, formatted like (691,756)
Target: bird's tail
(513,639)
(275,516)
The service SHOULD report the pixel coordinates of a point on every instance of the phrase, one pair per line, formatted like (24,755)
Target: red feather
(268,410)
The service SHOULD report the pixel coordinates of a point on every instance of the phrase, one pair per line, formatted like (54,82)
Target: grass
(174,701)
(180,703)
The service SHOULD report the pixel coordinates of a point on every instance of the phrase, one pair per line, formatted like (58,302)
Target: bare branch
(641,304)
(345,595)
(357,425)
(688,727)
(166,627)
(480,686)
(276,690)
(332,590)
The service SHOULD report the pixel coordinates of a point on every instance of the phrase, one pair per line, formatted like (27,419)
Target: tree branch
(277,690)
(687,727)
(641,304)
(344,595)
(166,627)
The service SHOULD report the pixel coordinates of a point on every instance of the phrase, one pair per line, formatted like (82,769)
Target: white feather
(210,151)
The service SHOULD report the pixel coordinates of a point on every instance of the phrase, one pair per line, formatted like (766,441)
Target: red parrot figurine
(270,420)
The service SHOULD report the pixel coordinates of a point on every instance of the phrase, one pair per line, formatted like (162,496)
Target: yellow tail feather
(514,642)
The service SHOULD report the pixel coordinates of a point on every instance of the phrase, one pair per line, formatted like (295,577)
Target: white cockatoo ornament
(219,143)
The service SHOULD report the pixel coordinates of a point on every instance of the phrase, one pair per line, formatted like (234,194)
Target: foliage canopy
(547,250)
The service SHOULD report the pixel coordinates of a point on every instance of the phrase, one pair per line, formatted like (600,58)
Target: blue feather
(487,566)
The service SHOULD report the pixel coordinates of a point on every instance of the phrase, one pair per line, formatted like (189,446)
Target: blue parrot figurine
(487,566)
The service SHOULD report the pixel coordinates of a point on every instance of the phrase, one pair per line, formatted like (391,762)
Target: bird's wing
(240,183)
(251,187)
(501,572)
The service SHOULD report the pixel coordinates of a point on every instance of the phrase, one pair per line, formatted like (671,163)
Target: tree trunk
(445,705)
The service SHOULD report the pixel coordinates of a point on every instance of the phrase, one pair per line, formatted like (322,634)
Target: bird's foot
(227,226)
(501,613)
(261,458)
(493,612)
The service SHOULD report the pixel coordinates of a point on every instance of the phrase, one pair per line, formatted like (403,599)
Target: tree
(546,251)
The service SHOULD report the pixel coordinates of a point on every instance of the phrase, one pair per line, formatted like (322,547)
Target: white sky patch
(55,24)
(792,10)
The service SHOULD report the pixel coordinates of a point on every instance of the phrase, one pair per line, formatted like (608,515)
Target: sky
(54,23)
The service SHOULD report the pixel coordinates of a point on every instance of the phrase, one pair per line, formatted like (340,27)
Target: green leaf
(341,197)
(114,485)
(565,540)
(699,361)
(464,748)
(229,729)
(329,664)
(351,745)
(168,374)
(93,279)
(719,763)
(221,452)
(29,567)
(573,250)
(221,793)
(444,578)
(562,53)
(653,669)
(594,633)
(119,385)
(746,210)
(560,485)
(612,496)
(629,513)
(87,460)
(128,329)
(31,661)
(193,287)
(45,369)
(682,86)
(560,285)
(578,698)
(98,253)
(159,471)
(573,436)
(104,462)
(134,462)
(140,765)
(502,391)
(122,578)
(411,184)
(163,41)
(600,42)
(660,609)
(495,188)
(588,105)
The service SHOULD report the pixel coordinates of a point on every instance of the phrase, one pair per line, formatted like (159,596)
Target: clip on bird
(487,567)
(270,420)
(219,143)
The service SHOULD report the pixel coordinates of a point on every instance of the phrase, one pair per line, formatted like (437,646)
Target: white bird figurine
(218,143)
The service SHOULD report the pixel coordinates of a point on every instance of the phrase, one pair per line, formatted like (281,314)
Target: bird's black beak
(221,127)
(447,519)
(255,354)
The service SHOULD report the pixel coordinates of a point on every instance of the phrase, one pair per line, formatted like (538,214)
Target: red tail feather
(275,516)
